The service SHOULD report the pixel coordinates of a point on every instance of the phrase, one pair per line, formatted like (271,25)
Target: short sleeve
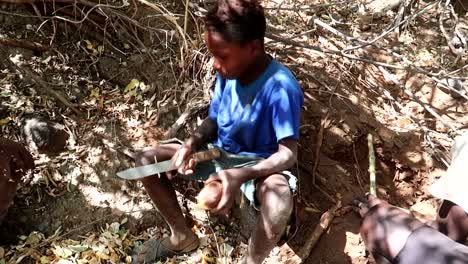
(287,101)
(216,100)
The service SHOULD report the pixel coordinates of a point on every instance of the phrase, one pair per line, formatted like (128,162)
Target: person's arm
(15,162)
(202,134)
(232,179)
(283,159)
(207,130)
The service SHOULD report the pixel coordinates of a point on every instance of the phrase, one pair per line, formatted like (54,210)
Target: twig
(325,221)
(186,16)
(40,83)
(370,144)
(77,21)
(366,43)
(329,51)
(316,186)
(301,255)
(302,8)
(455,71)
(409,64)
(169,17)
(334,31)
(323,126)
(358,174)
(130,153)
(23,44)
(447,38)
(416,99)
(181,121)
(38,13)
(446,86)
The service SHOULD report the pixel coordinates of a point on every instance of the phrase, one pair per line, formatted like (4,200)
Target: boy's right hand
(183,161)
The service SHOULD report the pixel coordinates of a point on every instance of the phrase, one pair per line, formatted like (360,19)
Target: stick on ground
(300,255)
(373,188)
(323,125)
(325,221)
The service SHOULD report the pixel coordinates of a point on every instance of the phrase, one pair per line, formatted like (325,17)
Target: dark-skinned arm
(283,159)
(206,131)
(232,179)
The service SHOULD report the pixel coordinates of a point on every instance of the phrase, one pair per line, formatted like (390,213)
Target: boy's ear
(255,47)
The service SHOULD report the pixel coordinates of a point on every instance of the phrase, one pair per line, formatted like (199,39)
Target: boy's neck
(256,69)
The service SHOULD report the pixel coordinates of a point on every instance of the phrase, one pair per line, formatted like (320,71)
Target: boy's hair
(238,21)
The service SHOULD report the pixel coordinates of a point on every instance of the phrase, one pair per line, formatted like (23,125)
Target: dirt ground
(77,192)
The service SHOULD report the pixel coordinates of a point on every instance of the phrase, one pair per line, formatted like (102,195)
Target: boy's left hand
(231,180)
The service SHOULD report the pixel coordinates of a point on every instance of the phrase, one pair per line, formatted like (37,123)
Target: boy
(253,119)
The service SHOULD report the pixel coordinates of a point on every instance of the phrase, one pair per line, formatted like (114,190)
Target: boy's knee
(276,201)
(274,187)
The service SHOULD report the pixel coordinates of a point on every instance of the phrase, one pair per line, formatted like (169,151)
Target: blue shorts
(204,170)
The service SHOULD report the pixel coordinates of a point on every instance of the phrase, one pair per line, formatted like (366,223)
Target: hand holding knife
(170,165)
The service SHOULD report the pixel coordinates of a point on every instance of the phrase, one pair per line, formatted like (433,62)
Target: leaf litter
(139,105)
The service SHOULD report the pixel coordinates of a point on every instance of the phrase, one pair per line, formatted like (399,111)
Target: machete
(163,166)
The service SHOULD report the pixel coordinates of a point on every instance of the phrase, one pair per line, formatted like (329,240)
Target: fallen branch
(458,53)
(370,144)
(181,121)
(26,44)
(304,7)
(329,51)
(325,221)
(409,65)
(316,186)
(304,252)
(323,125)
(41,86)
(358,174)
(396,25)
(51,92)
(431,111)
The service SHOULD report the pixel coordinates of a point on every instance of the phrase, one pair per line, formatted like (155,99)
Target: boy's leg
(164,197)
(276,204)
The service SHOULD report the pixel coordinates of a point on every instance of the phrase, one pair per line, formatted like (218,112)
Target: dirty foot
(155,249)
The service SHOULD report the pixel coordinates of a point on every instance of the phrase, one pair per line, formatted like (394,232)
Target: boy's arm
(281,160)
(232,179)
(202,134)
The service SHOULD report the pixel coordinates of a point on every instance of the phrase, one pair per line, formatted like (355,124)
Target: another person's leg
(15,162)
(394,236)
(163,195)
(384,228)
(452,221)
(276,205)
(7,193)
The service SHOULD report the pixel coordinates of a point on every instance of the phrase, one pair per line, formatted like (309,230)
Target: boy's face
(231,60)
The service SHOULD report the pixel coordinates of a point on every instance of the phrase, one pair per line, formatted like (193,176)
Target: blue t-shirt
(253,119)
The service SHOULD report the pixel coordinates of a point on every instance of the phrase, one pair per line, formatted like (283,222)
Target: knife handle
(206,155)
